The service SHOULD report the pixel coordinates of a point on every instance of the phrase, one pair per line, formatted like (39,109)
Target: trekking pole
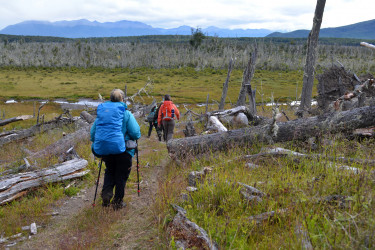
(136,150)
(97,181)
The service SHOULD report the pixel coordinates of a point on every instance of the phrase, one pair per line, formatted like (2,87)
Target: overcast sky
(284,15)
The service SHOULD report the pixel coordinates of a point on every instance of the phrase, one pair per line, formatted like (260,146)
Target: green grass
(185,85)
(295,185)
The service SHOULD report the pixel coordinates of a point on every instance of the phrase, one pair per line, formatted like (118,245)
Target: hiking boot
(105,203)
(117,206)
(160,138)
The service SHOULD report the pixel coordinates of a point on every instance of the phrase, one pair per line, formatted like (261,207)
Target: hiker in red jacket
(167,115)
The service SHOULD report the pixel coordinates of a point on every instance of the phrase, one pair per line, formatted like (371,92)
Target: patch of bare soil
(133,227)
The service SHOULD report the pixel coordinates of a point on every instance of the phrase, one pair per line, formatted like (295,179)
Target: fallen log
(40,128)
(299,129)
(14,186)
(15,119)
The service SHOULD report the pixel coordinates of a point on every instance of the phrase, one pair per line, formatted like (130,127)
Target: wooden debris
(225,85)
(303,237)
(189,129)
(283,151)
(264,217)
(215,125)
(14,186)
(15,119)
(15,135)
(33,229)
(187,234)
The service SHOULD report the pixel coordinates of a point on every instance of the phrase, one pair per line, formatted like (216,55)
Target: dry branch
(14,186)
(15,119)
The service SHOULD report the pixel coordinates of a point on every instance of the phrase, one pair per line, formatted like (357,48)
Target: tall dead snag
(299,129)
(225,85)
(308,75)
(246,83)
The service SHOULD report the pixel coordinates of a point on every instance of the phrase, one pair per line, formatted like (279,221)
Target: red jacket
(160,115)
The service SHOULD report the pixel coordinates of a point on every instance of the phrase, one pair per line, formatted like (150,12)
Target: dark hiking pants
(117,172)
(152,124)
(168,129)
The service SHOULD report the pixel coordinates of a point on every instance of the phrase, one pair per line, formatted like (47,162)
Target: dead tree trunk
(246,81)
(14,186)
(225,85)
(312,43)
(299,129)
(10,136)
(15,119)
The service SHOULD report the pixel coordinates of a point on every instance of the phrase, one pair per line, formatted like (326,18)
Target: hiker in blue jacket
(114,126)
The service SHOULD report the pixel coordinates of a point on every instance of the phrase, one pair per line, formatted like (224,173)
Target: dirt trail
(134,226)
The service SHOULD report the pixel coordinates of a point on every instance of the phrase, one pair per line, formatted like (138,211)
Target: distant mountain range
(85,29)
(362,30)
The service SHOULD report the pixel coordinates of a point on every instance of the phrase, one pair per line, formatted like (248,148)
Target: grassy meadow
(185,85)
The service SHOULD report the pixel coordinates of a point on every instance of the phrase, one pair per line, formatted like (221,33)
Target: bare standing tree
(225,85)
(308,75)
(246,82)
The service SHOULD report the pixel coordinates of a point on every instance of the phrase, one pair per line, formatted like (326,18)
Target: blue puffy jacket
(113,126)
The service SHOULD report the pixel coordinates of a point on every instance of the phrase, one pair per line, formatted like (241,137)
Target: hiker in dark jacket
(167,115)
(152,121)
(159,130)
(114,126)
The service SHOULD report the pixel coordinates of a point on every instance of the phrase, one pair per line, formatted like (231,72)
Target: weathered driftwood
(187,234)
(14,186)
(15,119)
(225,85)
(300,129)
(40,128)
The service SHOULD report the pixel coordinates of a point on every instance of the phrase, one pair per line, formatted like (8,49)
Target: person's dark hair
(117,95)
(167,98)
